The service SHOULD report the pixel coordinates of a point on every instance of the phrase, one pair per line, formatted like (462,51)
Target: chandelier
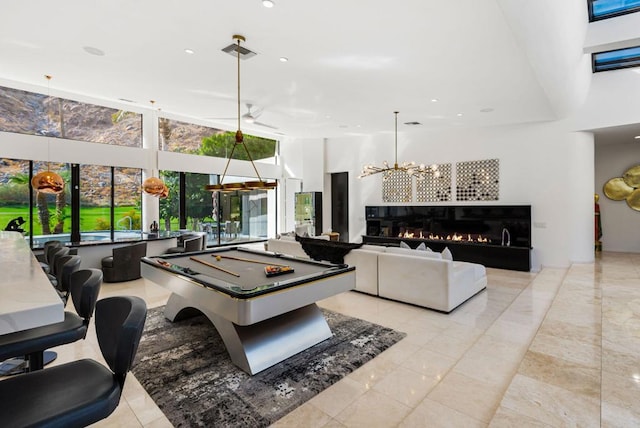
(420,171)
(239,141)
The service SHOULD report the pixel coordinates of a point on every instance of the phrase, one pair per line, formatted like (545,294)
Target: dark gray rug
(185,368)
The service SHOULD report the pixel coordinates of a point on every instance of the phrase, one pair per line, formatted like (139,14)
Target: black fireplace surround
(493,235)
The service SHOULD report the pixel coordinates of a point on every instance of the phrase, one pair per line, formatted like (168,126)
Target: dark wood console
(496,236)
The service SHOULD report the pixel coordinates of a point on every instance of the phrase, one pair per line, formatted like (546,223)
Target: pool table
(262,319)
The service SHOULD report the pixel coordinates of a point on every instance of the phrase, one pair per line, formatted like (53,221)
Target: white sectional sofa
(422,278)
(426,279)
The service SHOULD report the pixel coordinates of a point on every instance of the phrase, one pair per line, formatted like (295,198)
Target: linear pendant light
(247,185)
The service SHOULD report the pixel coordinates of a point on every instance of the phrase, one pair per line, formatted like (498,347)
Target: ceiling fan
(251,116)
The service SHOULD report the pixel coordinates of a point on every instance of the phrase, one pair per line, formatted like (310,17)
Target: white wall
(543,165)
(620,231)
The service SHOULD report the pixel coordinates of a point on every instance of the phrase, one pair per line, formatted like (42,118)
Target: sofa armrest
(288,247)
(366,264)
(414,279)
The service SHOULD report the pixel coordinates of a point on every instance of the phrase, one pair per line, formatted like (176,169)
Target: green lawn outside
(90,218)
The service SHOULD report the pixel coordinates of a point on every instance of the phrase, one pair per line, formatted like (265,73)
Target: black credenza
(388,225)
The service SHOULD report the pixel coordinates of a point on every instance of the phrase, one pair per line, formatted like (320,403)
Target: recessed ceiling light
(486,110)
(459,115)
(413,123)
(284,59)
(434,100)
(93,51)
(268,3)
(637,137)
(189,51)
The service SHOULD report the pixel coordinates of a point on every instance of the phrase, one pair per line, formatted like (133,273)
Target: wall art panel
(436,186)
(478,180)
(396,186)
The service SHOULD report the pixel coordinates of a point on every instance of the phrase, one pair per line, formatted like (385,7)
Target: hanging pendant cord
(395,165)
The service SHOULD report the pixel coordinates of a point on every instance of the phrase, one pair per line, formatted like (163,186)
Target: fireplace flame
(456,237)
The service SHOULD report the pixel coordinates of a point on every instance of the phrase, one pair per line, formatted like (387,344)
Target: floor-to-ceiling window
(127,200)
(51,212)
(95,202)
(14,195)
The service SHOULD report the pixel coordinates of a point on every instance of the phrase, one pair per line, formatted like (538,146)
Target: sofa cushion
(479,271)
(446,254)
(423,247)
(378,248)
(404,245)
(427,254)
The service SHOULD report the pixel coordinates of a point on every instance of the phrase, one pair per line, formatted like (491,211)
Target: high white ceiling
(351,63)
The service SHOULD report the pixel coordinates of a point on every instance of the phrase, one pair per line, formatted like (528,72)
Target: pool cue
(246,260)
(214,266)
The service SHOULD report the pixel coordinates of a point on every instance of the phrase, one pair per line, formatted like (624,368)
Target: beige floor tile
(562,373)
(419,334)
(161,422)
(432,414)
(582,351)
(372,372)
(622,391)
(306,415)
(492,361)
(337,397)
(620,363)
(333,423)
(511,331)
(406,386)
(550,404)
(430,363)
(375,410)
(467,395)
(507,418)
(401,351)
(617,417)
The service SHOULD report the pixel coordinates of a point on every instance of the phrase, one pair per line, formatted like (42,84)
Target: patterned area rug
(185,368)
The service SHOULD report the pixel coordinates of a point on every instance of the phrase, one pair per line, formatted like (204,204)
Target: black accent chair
(44,260)
(65,266)
(54,254)
(85,287)
(124,264)
(190,243)
(82,392)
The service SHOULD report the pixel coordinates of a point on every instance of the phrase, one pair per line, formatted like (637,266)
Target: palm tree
(41,202)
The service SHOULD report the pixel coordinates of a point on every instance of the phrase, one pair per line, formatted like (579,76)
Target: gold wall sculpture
(625,188)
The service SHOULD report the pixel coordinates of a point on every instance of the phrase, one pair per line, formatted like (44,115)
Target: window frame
(594,18)
(619,64)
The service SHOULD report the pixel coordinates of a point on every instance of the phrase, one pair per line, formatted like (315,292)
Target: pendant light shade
(48,182)
(155,187)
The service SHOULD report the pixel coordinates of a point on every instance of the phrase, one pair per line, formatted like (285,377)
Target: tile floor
(552,349)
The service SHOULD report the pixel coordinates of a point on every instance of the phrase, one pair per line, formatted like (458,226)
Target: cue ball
(218,258)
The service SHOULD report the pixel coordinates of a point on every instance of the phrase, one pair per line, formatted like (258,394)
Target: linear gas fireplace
(493,235)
